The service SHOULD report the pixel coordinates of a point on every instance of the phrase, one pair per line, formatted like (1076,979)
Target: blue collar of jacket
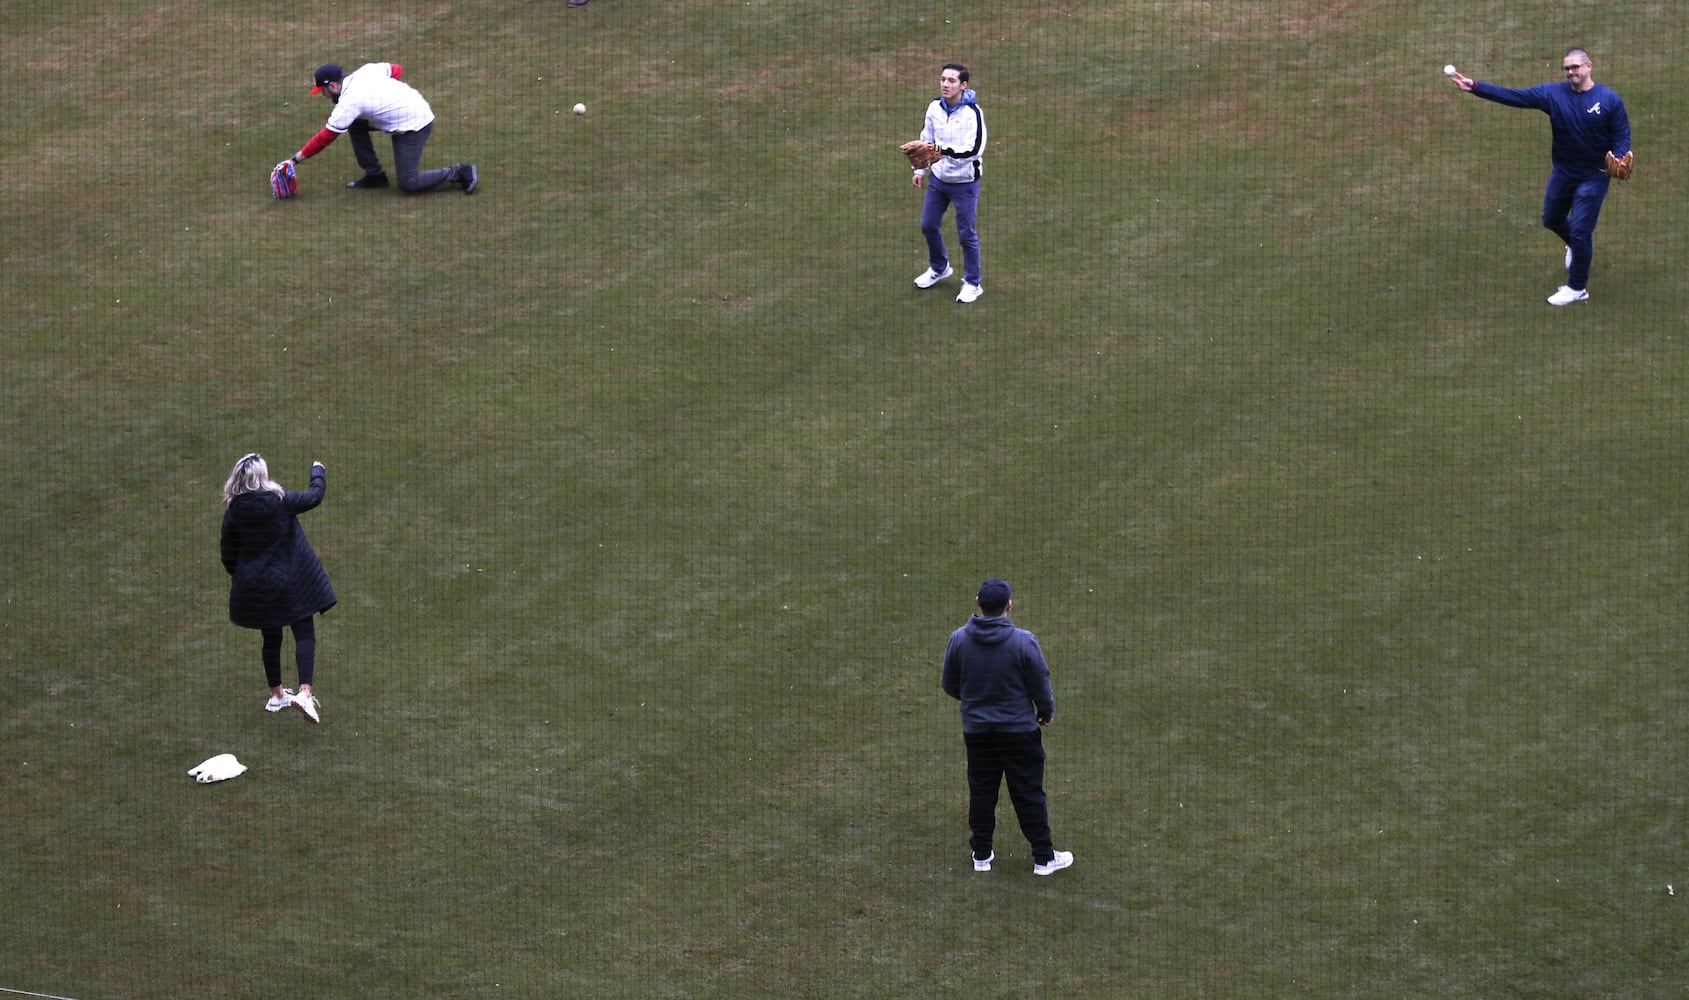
(968,97)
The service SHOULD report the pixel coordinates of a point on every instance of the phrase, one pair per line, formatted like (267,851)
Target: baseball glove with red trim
(284,182)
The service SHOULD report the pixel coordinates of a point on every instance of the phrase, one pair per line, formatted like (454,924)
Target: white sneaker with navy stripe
(929,277)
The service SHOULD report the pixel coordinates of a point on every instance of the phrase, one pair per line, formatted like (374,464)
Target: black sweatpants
(407,157)
(1017,758)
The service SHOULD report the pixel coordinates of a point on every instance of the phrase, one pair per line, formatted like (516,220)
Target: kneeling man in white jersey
(372,98)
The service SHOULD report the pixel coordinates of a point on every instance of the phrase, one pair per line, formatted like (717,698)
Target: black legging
(304,651)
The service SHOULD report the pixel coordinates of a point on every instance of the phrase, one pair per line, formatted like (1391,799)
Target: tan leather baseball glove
(1618,167)
(921,154)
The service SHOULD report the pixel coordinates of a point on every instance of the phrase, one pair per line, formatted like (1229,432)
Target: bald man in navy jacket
(1588,120)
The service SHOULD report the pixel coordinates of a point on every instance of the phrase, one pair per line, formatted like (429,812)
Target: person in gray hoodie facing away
(997,671)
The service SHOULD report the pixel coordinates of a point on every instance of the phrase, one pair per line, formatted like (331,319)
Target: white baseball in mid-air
(580,109)
(1448,70)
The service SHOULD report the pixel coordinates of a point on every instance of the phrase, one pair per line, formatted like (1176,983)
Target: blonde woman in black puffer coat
(276,580)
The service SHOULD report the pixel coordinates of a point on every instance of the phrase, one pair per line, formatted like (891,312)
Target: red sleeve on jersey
(318,143)
(397,70)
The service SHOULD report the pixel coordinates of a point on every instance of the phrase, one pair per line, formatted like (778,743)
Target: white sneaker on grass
(984,864)
(276,704)
(969,292)
(308,704)
(1568,295)
(1063,859)
(929,277)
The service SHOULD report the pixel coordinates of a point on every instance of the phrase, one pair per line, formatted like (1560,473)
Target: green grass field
(655,488)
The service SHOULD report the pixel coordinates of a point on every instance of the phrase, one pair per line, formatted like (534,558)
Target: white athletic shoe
(969,292)
(929,277)
(985,865)
(308,704)
(1063,859)
(277,704)
(1568,258)
(1568,295)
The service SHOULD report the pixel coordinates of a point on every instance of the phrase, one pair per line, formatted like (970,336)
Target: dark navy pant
(1018,759)
(940,196)
(1570,207)
(407,157)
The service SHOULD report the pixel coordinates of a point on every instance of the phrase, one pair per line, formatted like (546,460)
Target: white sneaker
(1568,295)
(1568,258)
(1063,859)
(277,704)
(929,277)
(985,865)
(969,292)
(308,704)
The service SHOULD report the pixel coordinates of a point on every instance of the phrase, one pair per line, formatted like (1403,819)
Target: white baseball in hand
(1448,70)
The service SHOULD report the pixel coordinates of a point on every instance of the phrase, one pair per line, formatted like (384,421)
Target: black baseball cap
(994,594)
(326,74)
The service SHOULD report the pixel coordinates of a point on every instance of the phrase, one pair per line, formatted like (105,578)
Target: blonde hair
(250,475)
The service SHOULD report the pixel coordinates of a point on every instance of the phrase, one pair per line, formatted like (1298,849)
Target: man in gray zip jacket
(997,671)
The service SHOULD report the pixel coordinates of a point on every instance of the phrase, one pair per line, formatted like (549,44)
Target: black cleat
(468,177)
(368,181)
